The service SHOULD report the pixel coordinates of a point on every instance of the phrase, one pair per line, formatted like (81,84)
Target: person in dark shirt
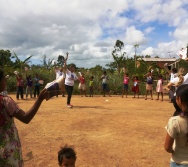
(29,86)
(37,86)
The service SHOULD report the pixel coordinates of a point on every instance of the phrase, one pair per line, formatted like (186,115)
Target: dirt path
(106,131)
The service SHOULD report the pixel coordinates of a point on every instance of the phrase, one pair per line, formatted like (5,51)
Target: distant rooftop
(159,59)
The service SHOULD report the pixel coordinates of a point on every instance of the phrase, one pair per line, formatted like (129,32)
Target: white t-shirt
(104,79)
(176,80)
(172,76)
(59,73)
(177,128)
(70,77)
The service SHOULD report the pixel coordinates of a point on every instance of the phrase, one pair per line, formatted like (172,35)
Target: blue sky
(88,30)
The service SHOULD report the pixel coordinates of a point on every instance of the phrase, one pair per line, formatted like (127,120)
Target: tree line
(121,63)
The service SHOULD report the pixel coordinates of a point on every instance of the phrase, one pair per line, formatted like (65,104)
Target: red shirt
(82,80)
(20,82)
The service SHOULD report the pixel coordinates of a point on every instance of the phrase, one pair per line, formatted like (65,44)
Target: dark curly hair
(67,152)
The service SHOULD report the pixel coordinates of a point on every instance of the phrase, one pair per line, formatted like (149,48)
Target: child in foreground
(67,156)
(176,141)
(10,146)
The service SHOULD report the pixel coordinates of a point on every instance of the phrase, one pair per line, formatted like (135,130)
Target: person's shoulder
(174,117)
(6,98)
(174,120)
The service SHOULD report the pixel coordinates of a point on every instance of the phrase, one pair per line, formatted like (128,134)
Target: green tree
(118,56)
(112,66)
(5,58)
(135,47)
(60,60)
(147,56)
(47,63)
(144,67)
(19,63)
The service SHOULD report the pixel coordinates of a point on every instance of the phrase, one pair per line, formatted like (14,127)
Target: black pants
(91,91)
(177,109)
(36,90)
(171,93)
(69,90)
(19,92)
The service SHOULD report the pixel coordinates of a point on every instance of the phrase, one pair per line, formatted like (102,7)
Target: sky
(88,29)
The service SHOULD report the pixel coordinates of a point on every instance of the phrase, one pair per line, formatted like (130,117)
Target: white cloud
(181,32)
(171,12)
(89,29)
(147,51)
(134,36)
(148,30)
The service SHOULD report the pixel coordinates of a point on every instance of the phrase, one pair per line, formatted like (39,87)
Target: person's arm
(67,56)
(168,86)
(26,117)
(172,83)
(168,143)
(145,75)
(76,78)
(65,66)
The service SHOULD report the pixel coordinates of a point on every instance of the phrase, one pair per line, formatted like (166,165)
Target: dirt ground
(105,131)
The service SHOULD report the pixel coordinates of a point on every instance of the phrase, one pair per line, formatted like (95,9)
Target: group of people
(30,83)
(149,86)
(176,141)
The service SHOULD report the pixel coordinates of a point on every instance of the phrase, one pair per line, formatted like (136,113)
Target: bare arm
(65,65)
(26,117)
(65,62)
(168,85)
(67,56)
(168,143)
(102,77)
(145,75)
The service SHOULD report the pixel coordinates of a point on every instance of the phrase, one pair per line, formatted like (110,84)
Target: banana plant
(19,63)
